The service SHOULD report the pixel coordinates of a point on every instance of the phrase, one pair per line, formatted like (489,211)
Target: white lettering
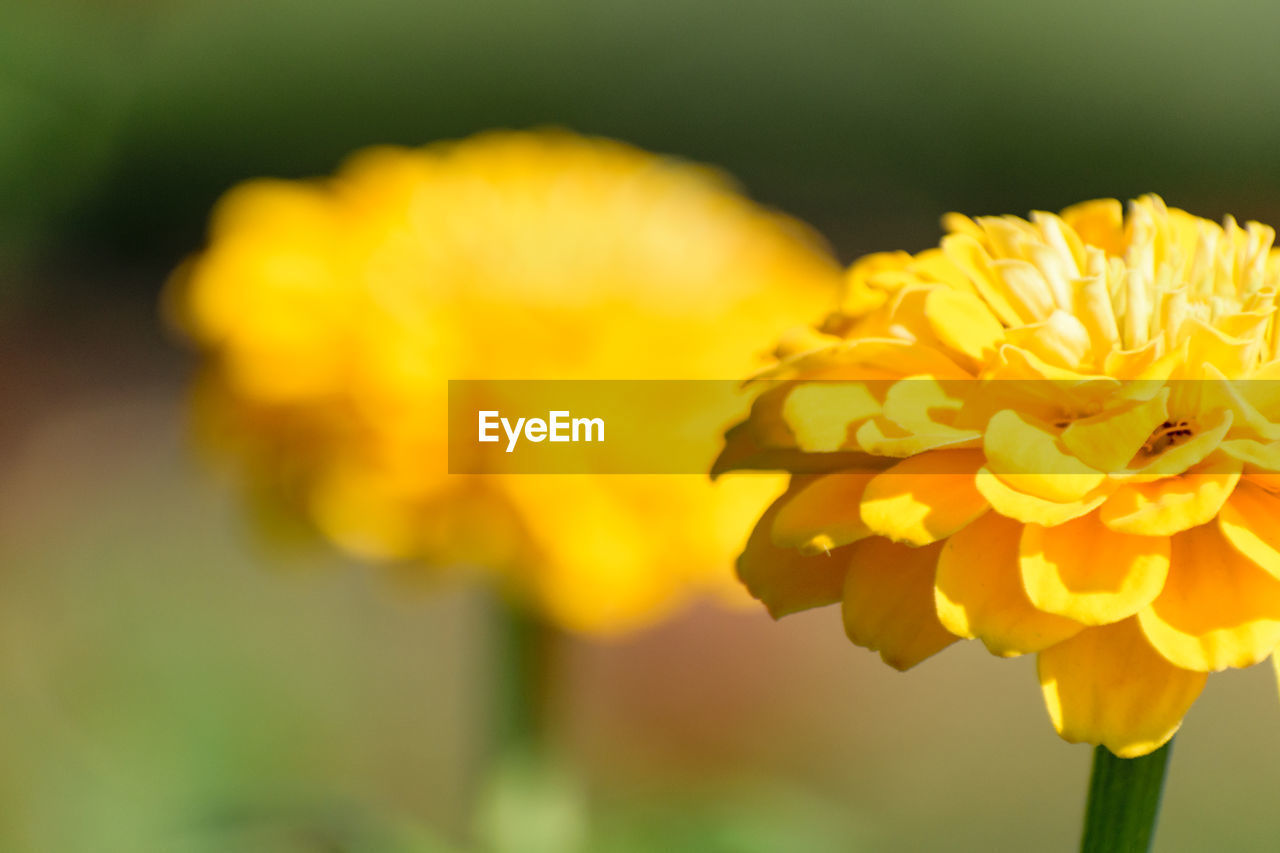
(486,425)
(559,421)
(513,435)
(587,423)
(559,427)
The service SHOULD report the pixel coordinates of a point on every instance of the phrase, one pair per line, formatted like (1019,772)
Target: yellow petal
(1060,339)
(859,294)
(785,580)
(963,322)
(1025,288)
(1256,455)
(802,340)
(1262,390)
(1217,609)
(1019,363)
(925,498)
(919,413)
(1207,345)
(958,223)
(1084,571)
(1014,504)
(888,602)
(1099,223)
(979,591)
(1250,421)
(1137,314)
(1092,304)
(823,514)
(820,414)
(768,425)
(1108,686)
(1175,504)
(967,254)
(743,450)
(1031,459)
(1062,256)
(923,404)
(933,265)
(1142,363)
(1108,441)
(1250,521)
(882,437)
(357,509)
(869,359)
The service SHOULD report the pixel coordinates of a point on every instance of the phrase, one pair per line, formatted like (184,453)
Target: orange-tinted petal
(925,498)
(1217,609)
(1084,571)
(1108,686)
(785,580)
(1012,503)
(824,514)
(888,601)
(1270,482)
(979,591)
(1250,520)
(1174,504)
(1099,223)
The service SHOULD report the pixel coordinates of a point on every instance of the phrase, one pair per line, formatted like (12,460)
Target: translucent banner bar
(1069,427)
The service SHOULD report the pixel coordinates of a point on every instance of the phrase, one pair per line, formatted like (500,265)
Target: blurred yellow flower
(333,312)
(1055,436)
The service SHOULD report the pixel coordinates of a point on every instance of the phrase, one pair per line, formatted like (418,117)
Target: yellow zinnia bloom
(1052,435)
(333,312)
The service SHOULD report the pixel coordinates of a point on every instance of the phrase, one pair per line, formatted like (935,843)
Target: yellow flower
(334,311)
(1052,435)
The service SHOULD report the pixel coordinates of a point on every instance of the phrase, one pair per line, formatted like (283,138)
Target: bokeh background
(169,683)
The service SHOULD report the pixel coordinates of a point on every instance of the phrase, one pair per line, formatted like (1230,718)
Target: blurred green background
(166,685)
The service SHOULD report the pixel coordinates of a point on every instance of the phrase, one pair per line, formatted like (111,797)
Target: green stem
(1124,801)
(531,802)
(523,691)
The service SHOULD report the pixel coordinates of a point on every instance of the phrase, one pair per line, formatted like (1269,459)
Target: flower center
(1167,435)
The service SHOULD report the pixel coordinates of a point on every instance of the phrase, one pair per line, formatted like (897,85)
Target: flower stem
(523,687)
(531,802)
(1124,801)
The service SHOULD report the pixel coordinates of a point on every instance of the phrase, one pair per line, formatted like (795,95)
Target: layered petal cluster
(333,312)
(1058,435)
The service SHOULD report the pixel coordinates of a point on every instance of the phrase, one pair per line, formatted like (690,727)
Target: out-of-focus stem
(524,690)
(532,802)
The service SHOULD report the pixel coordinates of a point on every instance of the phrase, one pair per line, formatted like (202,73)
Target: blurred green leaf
(732,817)
(532,804)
